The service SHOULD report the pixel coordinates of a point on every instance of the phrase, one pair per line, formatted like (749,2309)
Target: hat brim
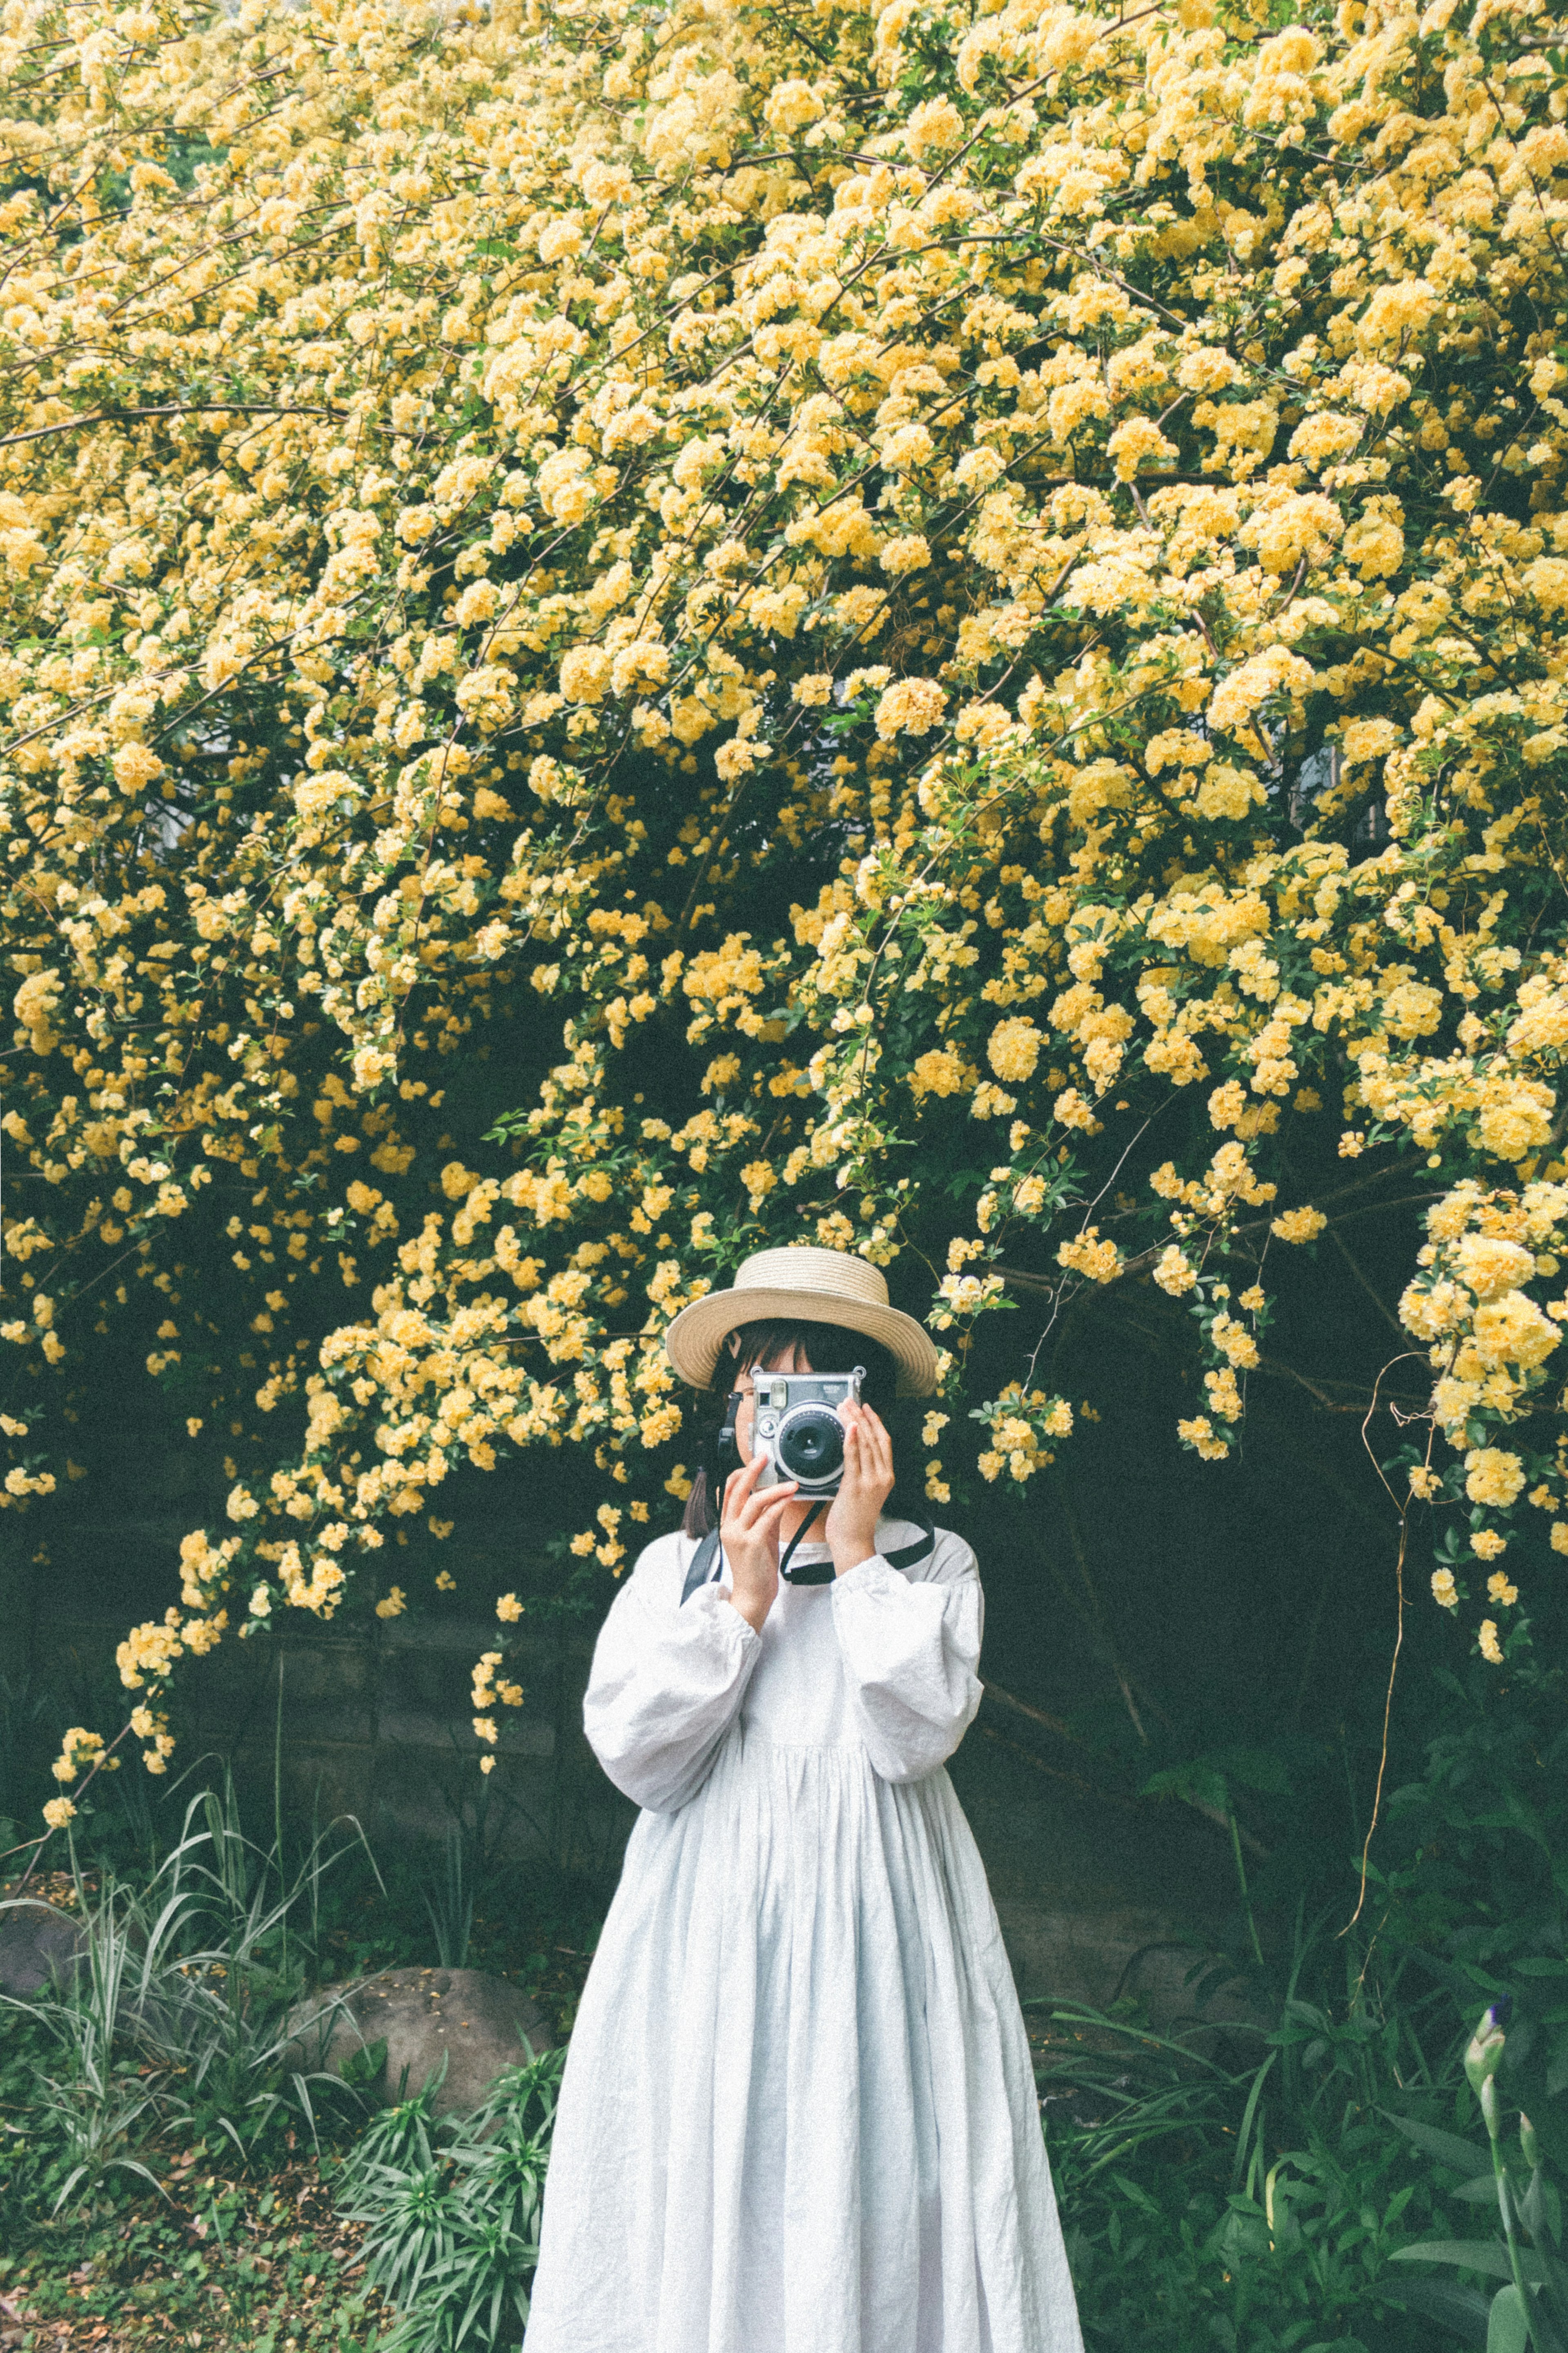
(698,1333)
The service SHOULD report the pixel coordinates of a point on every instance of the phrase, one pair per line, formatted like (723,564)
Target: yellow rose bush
(802,602)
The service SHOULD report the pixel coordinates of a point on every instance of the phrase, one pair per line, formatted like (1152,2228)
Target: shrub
(919,594)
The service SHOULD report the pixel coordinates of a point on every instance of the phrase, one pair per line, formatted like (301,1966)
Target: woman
(798,2115)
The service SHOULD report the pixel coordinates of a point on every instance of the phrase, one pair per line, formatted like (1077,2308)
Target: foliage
(151,2117)
(247,2262)
(1302,2181)
(451,2210)
(449,1896)
(176,2010)
(1532,2307)
(1258,2204)
(500,509)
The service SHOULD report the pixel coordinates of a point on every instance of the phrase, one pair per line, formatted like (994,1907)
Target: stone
(475,2022)
(40,1946)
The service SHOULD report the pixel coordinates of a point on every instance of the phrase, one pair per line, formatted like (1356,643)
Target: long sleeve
(666,1681)
(910,1649)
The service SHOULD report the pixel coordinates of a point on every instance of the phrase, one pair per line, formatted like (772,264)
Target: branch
(188,408)
(1388,1317)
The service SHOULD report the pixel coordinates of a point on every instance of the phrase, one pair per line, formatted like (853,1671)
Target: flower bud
(1484,2056)
(1528,2142)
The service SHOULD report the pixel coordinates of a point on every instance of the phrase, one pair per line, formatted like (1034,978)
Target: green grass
(207,2259)
(169,2185)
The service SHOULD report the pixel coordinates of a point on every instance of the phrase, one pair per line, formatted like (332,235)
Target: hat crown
(834,1274)
(802,1284)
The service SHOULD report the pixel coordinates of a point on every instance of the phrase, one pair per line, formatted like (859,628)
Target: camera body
(797,1430)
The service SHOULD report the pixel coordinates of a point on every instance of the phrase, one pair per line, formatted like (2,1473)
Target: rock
(475,2023)
(40,1946)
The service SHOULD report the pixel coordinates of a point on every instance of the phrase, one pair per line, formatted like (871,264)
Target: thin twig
(1404,1510)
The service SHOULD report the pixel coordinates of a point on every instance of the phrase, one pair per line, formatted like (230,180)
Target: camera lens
(810,1443)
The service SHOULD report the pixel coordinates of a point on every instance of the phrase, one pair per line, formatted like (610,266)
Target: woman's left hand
(867,1483)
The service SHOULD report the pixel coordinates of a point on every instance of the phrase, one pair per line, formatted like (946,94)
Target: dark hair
(826,1348)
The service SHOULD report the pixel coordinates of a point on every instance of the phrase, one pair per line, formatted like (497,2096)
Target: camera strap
(707,1561)
(810,1572)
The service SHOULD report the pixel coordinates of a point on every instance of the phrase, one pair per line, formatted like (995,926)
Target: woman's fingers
(746,1500)
(771,1508)
(757,1506)
(739,1485)
(867,1449)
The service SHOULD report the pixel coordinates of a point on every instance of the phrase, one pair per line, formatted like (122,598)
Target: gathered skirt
(798,2113)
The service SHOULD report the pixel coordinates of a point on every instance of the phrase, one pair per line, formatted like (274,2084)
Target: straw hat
(808,1286)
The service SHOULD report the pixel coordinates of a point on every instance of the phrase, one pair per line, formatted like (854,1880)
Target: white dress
(798,2113)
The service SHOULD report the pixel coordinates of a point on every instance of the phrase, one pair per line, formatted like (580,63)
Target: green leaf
(364,2068)
(1463,2309)
(1486,2255)
(1464,2155)
(1255,1768)
(1508,2330)
(1194,1784)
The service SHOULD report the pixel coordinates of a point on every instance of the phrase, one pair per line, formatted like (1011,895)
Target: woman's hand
(749,1530)
(867,1483)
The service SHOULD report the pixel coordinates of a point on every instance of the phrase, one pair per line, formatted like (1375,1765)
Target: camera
(796,1428)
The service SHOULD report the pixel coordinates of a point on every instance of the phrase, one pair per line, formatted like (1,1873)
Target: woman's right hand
(749,1530)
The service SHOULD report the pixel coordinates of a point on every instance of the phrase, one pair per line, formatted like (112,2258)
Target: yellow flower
(936,1072)
(58,1813)
(1086,1253)
(1493,1476)
(509,1608)
(78,1749)
(1234,1341)
(1175,1271)
(1013,1051)
(1500,1590)
(1487,1543)
(1489,1267)
(544,721)
(1486,1638)
(392,1604)
(911,706)
(1445,1592)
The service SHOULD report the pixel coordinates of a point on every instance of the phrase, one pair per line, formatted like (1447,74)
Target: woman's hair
(825,1348)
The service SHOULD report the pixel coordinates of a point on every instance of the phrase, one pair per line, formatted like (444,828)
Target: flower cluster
(797,592)
(1017,1424)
